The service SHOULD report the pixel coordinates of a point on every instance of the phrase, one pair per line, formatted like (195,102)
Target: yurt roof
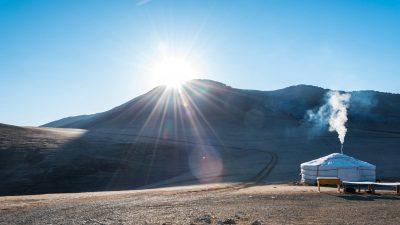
(337,160)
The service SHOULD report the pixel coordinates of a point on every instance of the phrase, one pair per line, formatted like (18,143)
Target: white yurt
(337,165)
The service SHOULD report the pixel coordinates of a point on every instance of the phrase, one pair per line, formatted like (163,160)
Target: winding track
(267,169)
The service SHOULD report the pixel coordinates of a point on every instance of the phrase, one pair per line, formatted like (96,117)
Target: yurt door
(348,174)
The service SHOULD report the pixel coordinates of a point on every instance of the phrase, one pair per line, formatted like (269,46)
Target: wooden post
(319,189)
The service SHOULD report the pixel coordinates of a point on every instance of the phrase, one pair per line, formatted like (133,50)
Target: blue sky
(70,57)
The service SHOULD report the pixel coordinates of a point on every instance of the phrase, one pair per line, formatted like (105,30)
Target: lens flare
(206,165)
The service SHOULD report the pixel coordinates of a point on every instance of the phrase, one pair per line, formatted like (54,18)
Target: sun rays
(175,116)
(178,111)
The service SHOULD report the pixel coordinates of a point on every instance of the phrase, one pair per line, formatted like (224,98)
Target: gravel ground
(209,204)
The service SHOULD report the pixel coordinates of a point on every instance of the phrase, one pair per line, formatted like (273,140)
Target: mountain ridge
(218,100)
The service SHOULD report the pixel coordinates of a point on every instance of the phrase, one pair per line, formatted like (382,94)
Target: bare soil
(205,204)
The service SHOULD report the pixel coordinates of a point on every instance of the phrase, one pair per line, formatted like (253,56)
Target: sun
(173,71)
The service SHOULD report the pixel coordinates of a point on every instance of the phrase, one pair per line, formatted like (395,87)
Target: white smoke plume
(334,113)
(338,118)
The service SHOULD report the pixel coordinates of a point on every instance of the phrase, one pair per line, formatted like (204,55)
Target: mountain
(220,104)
